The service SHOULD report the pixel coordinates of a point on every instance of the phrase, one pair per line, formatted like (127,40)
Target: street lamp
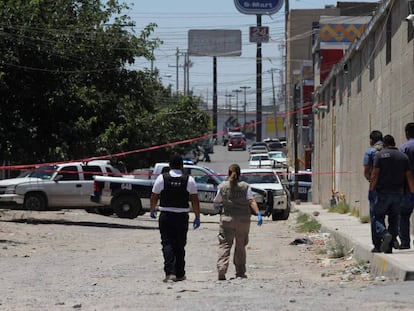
(237,103)
(245,102)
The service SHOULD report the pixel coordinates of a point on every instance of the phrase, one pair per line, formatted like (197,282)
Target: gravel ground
(66,260)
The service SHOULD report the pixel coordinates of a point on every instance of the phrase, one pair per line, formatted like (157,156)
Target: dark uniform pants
(404,228)
(173,229)
(387,204)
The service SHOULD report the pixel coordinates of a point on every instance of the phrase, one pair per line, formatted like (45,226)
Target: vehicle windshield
(44,172)
(278,155)
(259,178)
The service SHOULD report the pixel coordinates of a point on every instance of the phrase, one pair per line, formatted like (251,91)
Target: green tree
(67,91)
(63,64)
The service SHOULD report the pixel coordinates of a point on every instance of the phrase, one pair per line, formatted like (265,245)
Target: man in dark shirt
(386,190)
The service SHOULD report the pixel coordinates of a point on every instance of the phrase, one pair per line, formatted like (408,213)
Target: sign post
(259,34)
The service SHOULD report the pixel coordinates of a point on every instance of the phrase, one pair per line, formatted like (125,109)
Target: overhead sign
(262,7)
(215,42)
(259,34)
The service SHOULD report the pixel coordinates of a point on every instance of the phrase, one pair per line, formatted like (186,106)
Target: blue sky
(176,18)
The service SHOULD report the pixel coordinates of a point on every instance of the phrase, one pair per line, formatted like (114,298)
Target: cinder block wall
(385,103)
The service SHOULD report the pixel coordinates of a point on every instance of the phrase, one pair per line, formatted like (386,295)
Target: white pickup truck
(128,196)
(66,185)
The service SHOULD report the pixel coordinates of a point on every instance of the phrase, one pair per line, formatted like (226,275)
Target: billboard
(215,42)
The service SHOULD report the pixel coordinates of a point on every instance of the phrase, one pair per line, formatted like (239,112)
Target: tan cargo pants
(233,228)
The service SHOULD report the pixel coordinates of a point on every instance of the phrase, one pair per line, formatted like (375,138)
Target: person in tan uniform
(235,197)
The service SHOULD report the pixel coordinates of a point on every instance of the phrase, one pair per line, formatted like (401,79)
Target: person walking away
(206,156)
(376,144)
(174,190)
(386,190)
(236,198)
(407,207)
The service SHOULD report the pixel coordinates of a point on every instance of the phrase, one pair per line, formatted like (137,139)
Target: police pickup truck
(129,196)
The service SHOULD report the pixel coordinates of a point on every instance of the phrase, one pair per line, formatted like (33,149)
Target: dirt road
(74,260)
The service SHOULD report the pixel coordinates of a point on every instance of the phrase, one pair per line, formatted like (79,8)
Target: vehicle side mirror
(58,177)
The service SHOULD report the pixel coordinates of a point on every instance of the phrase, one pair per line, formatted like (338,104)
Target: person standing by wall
(236,198)
(407,208)
(376,144)
(174,190)
(386,190)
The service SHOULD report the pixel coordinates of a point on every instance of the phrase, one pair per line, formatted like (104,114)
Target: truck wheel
(126,206)
(34,202)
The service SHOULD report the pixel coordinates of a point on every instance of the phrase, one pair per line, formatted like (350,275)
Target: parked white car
(261,160)
(268,180)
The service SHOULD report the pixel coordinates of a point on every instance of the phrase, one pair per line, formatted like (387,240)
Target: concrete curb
(353,235)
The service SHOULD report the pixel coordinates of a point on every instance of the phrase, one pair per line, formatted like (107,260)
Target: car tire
(281,215)
(34,202)
(126,206)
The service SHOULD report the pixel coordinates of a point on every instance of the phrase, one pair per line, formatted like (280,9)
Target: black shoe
(221,276)
(395,245)
(375,250)
(386,244)
(405,246)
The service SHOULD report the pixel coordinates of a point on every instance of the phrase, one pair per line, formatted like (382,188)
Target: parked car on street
(304,184)
(64,185)
(261,160)
(258,143)
(268,180)
(258,149)
(273,144)
(128,196)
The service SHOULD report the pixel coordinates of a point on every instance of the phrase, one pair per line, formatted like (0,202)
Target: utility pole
(187,64)
(259,84)
(229,96)
(237,103)
(176,66)
(245,103)
(274,103)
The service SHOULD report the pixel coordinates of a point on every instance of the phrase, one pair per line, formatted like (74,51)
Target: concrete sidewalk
(353,234)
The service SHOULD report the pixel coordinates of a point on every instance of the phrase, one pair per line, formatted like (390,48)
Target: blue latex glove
(196,223)
(372,194)
(217,207)
(259,219)
(153,214)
